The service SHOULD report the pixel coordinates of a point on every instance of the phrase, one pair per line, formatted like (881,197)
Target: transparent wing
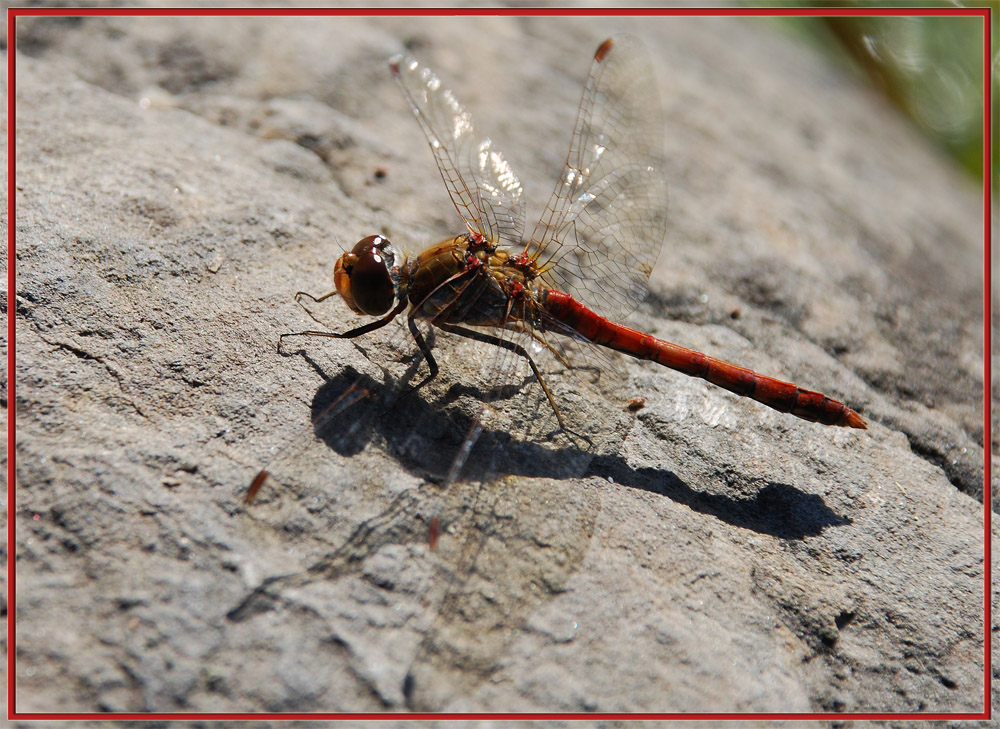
(482,185)
(604,224)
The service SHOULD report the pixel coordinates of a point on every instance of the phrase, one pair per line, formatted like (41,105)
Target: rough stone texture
(178,180)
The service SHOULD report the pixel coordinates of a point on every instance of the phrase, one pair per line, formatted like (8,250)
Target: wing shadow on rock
(507,545)
(519,522)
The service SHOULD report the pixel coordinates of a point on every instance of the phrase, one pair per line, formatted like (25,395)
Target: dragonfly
(583,269)
(586,264)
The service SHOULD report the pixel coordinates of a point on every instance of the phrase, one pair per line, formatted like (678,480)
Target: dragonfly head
(366,277)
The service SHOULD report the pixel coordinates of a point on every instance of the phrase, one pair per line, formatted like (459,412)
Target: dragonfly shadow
(778,509)
(424,435)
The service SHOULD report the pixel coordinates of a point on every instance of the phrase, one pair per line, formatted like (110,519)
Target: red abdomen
(782,396)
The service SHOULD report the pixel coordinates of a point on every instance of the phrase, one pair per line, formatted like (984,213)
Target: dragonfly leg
(314,299)
(370,327)
(424,350)
(513,347)
(545,343)
(596,371)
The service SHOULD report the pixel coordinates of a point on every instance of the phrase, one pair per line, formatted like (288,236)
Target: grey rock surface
(178,180)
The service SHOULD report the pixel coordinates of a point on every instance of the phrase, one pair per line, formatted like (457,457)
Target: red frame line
(473,12)
(987,342)
(986,13)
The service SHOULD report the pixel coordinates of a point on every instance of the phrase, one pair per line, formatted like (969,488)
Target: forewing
(604,224)
(482,185)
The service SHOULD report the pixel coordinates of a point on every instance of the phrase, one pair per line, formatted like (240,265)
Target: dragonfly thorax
(367,277)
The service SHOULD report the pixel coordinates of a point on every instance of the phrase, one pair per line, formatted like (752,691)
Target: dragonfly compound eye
(362,276)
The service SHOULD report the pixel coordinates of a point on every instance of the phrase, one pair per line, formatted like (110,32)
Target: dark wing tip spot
(604,49)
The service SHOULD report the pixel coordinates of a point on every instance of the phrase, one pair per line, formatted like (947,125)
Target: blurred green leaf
(930,67)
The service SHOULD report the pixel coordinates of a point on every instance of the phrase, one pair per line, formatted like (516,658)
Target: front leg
(357,332)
